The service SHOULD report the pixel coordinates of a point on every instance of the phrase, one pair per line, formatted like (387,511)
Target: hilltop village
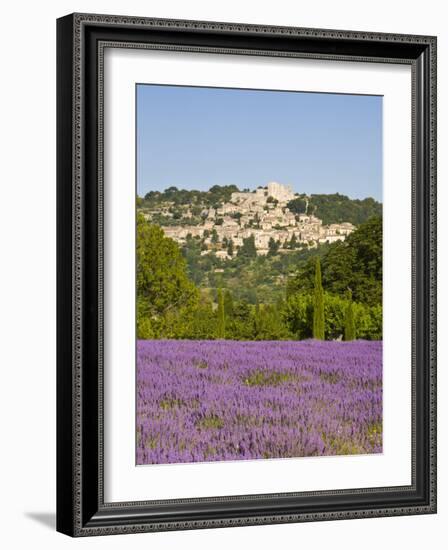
(261,216)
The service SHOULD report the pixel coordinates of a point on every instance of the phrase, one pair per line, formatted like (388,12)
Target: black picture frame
(81,510)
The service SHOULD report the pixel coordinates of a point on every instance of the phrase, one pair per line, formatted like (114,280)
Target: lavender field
(201,401)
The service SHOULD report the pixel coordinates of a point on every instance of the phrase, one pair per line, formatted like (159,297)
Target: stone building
(252,214)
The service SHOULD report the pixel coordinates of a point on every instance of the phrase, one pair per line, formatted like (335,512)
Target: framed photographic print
(246,274)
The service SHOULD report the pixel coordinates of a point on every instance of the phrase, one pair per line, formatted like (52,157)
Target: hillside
(215,197)
(355,264)
(253,242)
(184,294)
(251,278)
(338,208)
(332,208)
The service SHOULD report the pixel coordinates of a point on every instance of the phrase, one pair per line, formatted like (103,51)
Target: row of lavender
(227,400)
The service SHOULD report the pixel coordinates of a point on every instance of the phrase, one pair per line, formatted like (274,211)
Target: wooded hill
(333,208)
(258,298)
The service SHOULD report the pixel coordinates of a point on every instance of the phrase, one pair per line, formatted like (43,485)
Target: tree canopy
(248,249)
(297,206)
(335,291)
(354,264)
(218,194)
(336,208)
(162,280)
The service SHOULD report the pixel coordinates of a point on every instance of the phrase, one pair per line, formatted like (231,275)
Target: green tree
(221,316)
(338,208)
(198,323)
(215,237)
(228,304)
(356,263)
(269,324)
(318,312)
(273,246)
(349,320)
(334,310)
(241,325)
(248,249)
(192,254)
(297,315)
(297,206)
(145,329)
(293,241)
(230,249)
(162,281)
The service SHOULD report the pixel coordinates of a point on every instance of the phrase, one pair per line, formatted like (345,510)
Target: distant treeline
(333,295)
(213,198)
(333,208)
(338,208)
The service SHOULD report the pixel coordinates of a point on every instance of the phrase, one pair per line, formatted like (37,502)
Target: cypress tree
(228,304)
(248,249)
(258,317)
(349,320)
(318,310)
(221,316)
(293,242)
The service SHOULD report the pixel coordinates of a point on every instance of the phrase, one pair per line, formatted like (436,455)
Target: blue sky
(194,138)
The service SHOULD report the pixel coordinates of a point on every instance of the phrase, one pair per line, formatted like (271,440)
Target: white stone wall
(280,192)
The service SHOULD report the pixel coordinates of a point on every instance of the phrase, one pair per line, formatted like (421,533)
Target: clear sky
(194,138)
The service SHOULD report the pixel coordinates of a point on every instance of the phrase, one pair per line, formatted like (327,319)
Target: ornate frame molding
(81,42)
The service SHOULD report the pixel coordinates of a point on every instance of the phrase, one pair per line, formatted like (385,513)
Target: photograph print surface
(258,274)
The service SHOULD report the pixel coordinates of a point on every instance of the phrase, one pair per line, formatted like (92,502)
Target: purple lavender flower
(201,401)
